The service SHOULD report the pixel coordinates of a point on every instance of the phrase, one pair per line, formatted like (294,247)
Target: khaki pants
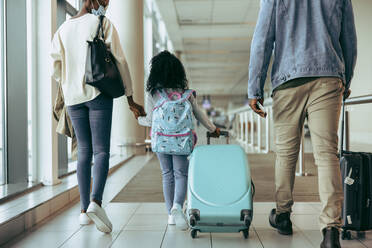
(319,100)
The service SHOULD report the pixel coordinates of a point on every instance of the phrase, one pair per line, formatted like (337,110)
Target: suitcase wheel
(247,221)
(193,233)
(192,220)
(345,235)
(194,216)
(246,216)
(246,233)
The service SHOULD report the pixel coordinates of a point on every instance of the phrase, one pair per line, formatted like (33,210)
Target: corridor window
(2,162)
(74,3)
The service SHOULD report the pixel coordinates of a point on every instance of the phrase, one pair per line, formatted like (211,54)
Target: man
(314,59)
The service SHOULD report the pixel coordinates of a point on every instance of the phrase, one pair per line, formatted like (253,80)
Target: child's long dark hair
(166,71)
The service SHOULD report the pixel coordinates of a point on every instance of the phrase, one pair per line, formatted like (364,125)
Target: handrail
(245,115)
(351,101)
(359,100)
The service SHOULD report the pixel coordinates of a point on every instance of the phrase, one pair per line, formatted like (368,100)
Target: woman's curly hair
(166,71)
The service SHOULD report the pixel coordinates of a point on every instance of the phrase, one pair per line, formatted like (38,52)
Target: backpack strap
(163,97)
(100,29)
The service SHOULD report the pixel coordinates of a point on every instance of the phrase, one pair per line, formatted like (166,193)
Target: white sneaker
(84,219)
(179,217)
(99,217)
(171,220)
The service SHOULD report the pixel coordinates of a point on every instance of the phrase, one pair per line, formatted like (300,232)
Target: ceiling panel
(187,13)
(230,11)
(214,37)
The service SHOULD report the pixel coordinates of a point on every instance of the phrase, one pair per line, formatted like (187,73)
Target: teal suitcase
(220,190)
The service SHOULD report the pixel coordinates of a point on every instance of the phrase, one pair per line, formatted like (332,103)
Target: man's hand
(255,108)
(347,94)
(136,108)
(216,133)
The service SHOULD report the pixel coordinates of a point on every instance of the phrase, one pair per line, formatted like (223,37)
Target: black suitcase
(356,171)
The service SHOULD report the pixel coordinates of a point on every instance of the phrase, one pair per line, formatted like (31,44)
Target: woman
(89,110)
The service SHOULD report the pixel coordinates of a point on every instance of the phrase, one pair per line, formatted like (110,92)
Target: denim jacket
(310,38)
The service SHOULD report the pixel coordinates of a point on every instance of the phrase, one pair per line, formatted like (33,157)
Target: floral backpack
(172,124)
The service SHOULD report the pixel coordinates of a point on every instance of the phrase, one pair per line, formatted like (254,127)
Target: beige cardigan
(69,52)
(64,125)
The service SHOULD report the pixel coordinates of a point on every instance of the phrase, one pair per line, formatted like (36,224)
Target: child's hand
(216,133)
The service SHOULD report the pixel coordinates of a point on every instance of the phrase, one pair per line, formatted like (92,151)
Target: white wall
(361,115)
(362,81)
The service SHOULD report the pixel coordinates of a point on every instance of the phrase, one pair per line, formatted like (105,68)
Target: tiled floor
(144,225)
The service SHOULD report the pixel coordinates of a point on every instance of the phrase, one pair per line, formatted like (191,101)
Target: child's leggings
(174,171)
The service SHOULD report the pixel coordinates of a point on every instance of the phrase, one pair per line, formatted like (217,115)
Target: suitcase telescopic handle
(222,133)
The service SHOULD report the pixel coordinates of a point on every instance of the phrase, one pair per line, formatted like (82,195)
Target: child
(172,128)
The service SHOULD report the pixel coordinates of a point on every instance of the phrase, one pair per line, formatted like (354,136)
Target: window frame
(3,167)
(15,96)
(65,166)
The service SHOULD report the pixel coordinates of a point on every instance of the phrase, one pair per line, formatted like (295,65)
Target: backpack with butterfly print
(172,124)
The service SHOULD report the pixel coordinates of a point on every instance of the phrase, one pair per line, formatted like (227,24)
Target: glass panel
(69,144)
(32,173)
(2,164)
(74,3)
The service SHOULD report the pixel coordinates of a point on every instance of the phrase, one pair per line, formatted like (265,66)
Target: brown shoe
(331,238)
(281,222)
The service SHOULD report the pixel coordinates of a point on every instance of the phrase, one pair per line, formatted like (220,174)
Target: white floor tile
(317,205)
(305,222)
(154,222)
(354,244)
(122,208)
(182,239)
(118,223)
(304,208)
(152,208)
(41,239)
(298,208)
(315,237)
(173,228)
(235,240)
(144,239)
(91,239)
(263,207)
(272,239)
(73,210)
(144,224)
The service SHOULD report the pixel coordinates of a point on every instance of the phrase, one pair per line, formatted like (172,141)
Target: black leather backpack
(100,69)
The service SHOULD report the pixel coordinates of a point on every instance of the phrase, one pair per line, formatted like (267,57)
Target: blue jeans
(174,171)
(92,125)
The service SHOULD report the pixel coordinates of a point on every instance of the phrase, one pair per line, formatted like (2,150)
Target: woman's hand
(137,111)
(216,133)
(135,108)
